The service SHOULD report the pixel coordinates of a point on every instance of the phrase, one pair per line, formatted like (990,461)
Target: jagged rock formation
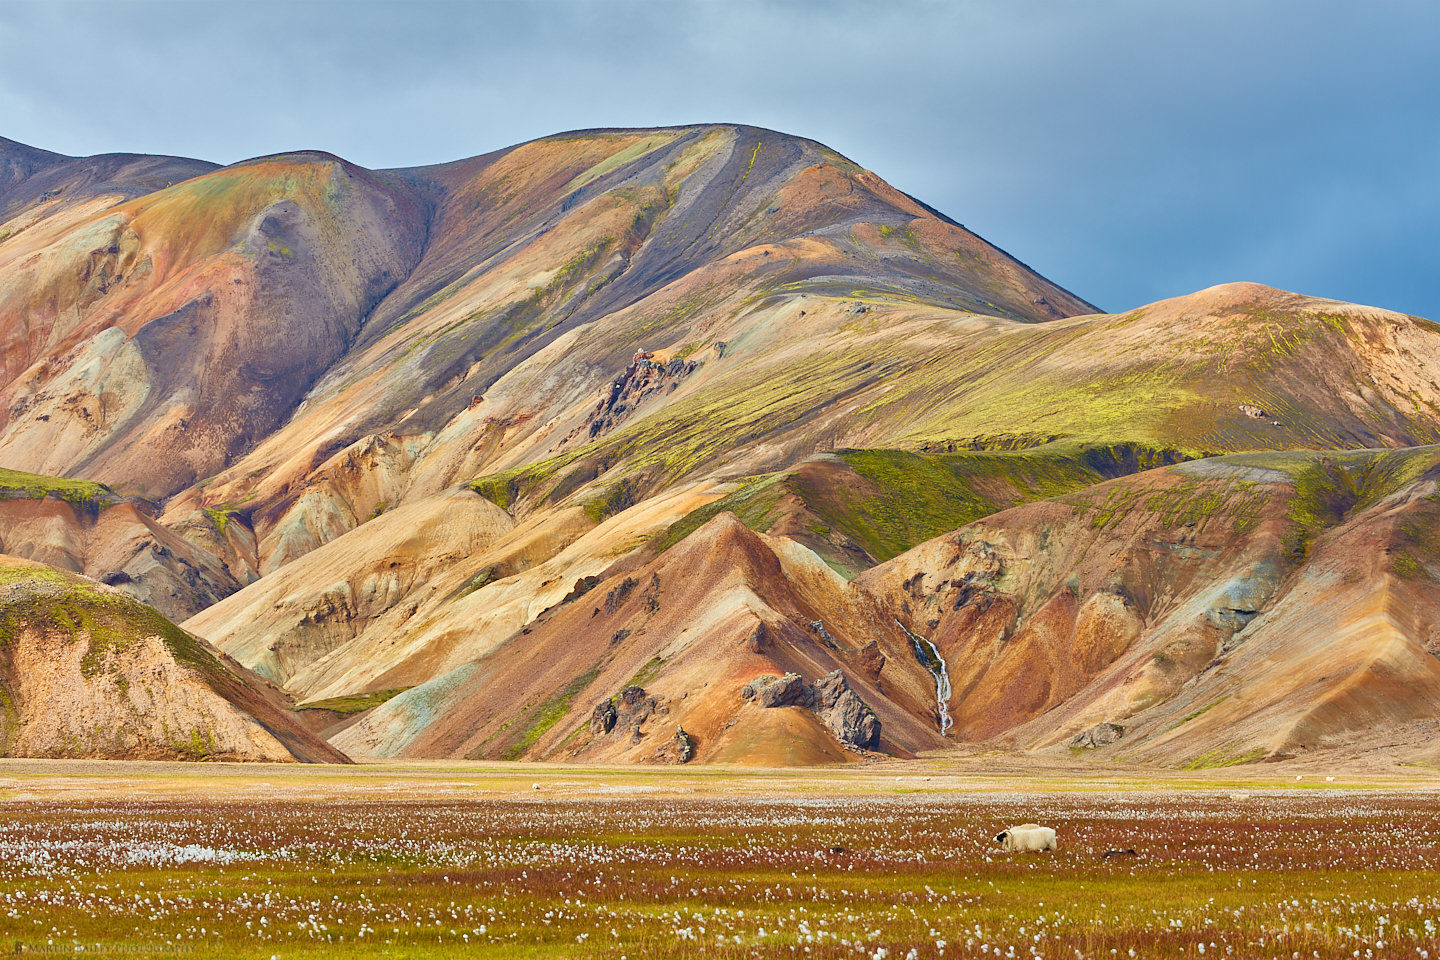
(645,377)
(830,698)
(1100,735)
(678,749)
(625,714)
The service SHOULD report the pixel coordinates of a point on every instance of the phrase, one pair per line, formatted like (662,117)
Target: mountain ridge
(398,426)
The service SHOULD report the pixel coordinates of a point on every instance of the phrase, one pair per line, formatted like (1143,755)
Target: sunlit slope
(748,446)
(1221,611)
(1342,376)
(549,265)
(337,633)
(690,630)
(1235,368)
(371,582)
(88,672)
(149,343)
(398,426)
(1350,380)
(85,527)
(1292,596)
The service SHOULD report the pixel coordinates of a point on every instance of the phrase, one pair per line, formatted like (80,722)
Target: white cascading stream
(936,665)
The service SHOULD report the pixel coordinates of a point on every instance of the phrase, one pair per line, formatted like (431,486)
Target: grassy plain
(894,861)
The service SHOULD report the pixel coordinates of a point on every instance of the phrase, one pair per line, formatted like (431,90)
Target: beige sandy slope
(88,672)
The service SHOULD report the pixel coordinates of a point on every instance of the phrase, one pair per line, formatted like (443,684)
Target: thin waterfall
(936,665)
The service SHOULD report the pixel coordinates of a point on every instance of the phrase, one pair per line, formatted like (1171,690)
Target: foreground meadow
(259,862)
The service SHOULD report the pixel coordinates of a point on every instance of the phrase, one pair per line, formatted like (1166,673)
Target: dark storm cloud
(1129,149)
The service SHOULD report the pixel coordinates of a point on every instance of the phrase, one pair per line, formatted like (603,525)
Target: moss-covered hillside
(86,671)
(859,507)
(84,494)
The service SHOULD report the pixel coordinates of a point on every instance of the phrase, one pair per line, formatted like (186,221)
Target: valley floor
(877,860)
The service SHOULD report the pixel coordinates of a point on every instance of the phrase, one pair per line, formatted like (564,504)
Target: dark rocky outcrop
(830,698)
(790,690)
(678,749)
(848,717)
(642,379)
(626,713)
(617,596)
(603,717)
(1100,735)
(582,586)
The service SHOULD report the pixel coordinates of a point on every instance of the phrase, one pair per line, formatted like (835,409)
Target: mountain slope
(148,343)
(84,527)
(1214,612)
(724,424)
(36,183)
(399,430)
(88,672)
(549,265)
(691,629)
(1219,611)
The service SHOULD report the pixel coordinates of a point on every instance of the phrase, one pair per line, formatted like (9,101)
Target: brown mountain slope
(87,672)
(1292,596)
(1220,611)
(35,184)
(86,528)
(148,343)
(284,626)
(550,264)
(724,608)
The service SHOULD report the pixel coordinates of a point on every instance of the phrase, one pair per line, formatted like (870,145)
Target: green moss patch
(353,703)
(615,498)
(1223,757)
(1332,485)
(37,597)
(508,487)
(907,498)
(888,501)
(548,713)
(753,503)
(83,494)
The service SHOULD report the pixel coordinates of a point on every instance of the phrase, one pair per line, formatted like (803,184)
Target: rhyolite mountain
(704,443)
(86,671)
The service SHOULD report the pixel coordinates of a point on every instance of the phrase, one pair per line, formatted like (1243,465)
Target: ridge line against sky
(1129,150)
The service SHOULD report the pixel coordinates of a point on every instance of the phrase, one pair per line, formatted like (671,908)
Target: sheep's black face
(1000,837)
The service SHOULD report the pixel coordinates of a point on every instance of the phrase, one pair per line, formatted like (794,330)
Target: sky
(1130,150)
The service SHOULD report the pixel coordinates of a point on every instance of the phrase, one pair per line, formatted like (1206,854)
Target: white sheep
(1027,837)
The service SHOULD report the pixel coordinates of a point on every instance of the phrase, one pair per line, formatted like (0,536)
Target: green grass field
(518,860)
